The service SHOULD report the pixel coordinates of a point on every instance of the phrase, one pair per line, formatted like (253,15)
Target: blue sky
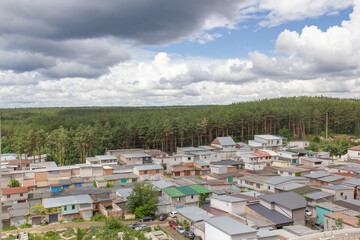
(159,52)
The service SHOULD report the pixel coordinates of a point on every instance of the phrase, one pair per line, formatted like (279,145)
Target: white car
(308,213)
(180,229)
(173,214)
(141,227)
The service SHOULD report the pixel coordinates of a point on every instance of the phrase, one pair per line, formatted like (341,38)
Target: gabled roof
(318,195)
(289,200)
(226,141)
(14,190)
(318,174)
(279,180)
(356,148)
(195,214)
(272,215)
(229,226)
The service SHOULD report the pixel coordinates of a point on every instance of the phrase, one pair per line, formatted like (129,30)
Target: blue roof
(272,215)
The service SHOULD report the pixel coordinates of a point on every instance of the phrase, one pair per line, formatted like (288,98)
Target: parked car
(189,235)
(163,217)
(173,224)
(198,238)
(133,225)
(173,214)
(319,226)
(141,227)
(308,213)
(147,219)
(180,229)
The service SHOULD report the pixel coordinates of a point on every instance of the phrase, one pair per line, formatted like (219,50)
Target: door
(230,180)
(187,173)
(53,218)
(177,174)
(69,217)
(123,180)
(36,220)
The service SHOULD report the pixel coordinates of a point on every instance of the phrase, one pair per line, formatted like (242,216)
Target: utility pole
(327,124)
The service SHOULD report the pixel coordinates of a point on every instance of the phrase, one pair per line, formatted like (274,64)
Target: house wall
(320,212)
(86,171)
(15,197)
(41,177)
(329,223)
(299,216)
(53,175)
(230,207)
(353,154)
(254,167)
(213,157)
(108,171)
(97,171)
(65,173)
(69,208)
(75,172)
(341,194)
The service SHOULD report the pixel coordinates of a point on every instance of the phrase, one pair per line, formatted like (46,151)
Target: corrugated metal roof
(149,167)
(318,174)
(289,200)
(272,215)
(330,178)
(337,187)
(61,201)
(124,192)
(186,190)
(305,189)
(227,198)
(229,226)
(226,141)
(162,184)
(278,180)
(352,182)
(318,195)
(135,155)
(194,214)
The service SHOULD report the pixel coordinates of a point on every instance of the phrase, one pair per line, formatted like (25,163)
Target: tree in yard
(143,199)
(14,183)
(202,198)
(338,224)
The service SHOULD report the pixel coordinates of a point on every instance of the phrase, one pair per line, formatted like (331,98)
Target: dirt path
(55,226)
(173,233)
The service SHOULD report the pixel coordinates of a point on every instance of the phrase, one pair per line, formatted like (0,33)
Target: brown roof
(356,148)
(348,220)
(13,190)
(347,205)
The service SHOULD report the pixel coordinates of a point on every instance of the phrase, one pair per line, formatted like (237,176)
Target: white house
(230,204)
(273,184)
(104,160)
(298,144)
(271,142)
(224,142)
(341,192)
(354,153)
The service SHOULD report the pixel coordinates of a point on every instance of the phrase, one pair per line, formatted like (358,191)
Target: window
(145,172)
(257,185)
(268,187)
(189,158)
(157,171)
(341,194)
(73,207)
(192,196)
(8,196)
(178,199)
(345,197)
(21,194)
(65,208)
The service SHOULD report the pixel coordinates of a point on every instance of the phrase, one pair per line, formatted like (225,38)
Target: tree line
(69,135)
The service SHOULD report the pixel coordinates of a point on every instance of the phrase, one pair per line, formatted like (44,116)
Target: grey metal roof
(226,141)
(226,162)
(148,167)
(194,214)
(229,226)
(135,155)
(265,233)
(61,201)
(291,186)
(124,192)
(120,176)
(268,137)
(202,163)
(318,174)
(272,215)
(106,157)
(227,198)
(289,200)
(330,178)
(279,180)
(333,207)
(248,155)
(162,201)
(162,184)
(353,201)
(337,187)
(318,195)
(299,230)
(352,182)
(64,182)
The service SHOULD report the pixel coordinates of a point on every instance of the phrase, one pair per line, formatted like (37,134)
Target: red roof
(13,190)
(29,183)
(344,174)
(260,154)
(356,148)
(55,185)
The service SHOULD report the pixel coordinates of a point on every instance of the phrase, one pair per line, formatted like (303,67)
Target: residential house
(118,152)
(288,204)
(184,196)
(121,178)
(224,143)
(347,221)
(298,144)
(330,180)
(163,206)
(270,142)
(316,197)
(149,172)
(14,194)
(227,228)
(353,153)
(201,167)
(181,170)
(156,153)
(341,192)
(293,172)
(312,177)
(325,208)
(351,204)
(253,182)
(354,183)
(229,204)
(69,208)
(18,213)
(160,184)
(311,162)
(210,156)
(292,157)
(281,164)
(110,209)
(275,183)
(104,160)
(187,150)
(192,214)
(100,198)
(136,158)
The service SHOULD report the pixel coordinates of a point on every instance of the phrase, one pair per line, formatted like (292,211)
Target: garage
(36,220)
(53,218)
(69,217)
(86,214)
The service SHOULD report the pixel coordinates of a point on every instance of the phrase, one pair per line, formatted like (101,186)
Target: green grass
(9,228)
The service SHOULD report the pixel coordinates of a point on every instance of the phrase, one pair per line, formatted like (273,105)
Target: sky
(161,52)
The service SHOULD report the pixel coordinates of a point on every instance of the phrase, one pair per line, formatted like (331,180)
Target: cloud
(275,12)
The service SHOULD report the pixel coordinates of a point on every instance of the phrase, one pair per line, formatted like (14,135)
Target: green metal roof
(186,190)
(303,151)
(303,190)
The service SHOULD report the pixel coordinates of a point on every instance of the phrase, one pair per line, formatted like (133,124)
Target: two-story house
(149,172)
(14,194)
(136,158)
(104,160)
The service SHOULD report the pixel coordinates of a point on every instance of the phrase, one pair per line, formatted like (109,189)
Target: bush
(98,218)
(94,183)
(14,183)
(109,185)
(113,224)
(26,225)
(148,229)
(78,220)
(9,228)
